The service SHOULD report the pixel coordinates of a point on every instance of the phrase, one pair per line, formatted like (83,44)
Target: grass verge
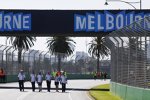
(102,92)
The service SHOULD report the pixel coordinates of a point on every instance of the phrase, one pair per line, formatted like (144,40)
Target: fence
(43,61)
(130,54)
(32,59)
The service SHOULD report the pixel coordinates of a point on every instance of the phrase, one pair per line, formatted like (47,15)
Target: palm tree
(98,49)
(21,43)
(60,46)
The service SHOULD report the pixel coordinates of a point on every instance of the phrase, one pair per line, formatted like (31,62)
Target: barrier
(126,92)
(14,78)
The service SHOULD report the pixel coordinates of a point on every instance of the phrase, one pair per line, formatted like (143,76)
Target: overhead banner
(68,22)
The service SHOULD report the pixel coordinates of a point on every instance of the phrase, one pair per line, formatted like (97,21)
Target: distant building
(81,55)
(105,66)
(54,59)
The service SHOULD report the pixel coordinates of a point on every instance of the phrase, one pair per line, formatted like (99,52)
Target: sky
(40,43)
(67,5)
(80,43)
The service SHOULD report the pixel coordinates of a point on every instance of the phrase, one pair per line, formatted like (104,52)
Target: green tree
(60,46)
(98,49)
(21,43)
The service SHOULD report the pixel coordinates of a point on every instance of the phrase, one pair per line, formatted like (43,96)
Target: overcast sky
(69,4)
(66,4)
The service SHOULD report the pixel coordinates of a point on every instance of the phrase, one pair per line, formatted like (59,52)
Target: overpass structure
(68,22)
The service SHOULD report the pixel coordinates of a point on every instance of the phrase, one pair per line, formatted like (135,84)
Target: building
(81,55)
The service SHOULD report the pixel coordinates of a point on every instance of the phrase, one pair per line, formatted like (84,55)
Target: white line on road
(70,95)
(23,96)
(87,95)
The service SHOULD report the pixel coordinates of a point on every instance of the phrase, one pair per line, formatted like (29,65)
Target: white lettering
(91,22)
(1,21)
(7,22)
(17,22)
(109,22)
(80,23)
(119,21)
(26,24)
(147,22)
(99,26)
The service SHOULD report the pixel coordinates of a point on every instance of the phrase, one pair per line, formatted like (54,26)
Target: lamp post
(129,3)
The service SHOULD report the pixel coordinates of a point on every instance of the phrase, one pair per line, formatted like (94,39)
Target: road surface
(76,90)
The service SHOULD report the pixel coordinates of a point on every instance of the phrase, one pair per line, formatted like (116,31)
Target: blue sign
(70,22)
(107,21)
(15,22)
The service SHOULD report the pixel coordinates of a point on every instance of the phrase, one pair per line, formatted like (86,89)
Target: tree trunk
(59,62)
(19,58)
(98,69)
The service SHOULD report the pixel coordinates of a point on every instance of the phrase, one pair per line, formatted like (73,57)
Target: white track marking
(23,96)
(87,95)
(70,95)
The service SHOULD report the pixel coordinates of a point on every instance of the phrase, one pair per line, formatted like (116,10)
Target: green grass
(98,94)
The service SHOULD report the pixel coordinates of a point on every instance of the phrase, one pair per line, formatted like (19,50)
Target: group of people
(59,78)
(2,75)
(103,75)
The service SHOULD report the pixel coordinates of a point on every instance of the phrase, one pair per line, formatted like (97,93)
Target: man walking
(57,82)
(21,78)
(39,81)
(33,78)
(48,78)
(63,81)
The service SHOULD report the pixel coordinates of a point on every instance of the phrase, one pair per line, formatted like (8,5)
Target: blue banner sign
(15,22)
(107,21)
(69,22)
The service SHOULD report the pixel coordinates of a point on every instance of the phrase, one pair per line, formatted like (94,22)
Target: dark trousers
(33,86)
(56,84)
(40,86)
(63,87)
(2,79)
(95,77)
(21,85)
(48,85)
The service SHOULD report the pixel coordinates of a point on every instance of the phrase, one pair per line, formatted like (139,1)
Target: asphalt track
(76,90)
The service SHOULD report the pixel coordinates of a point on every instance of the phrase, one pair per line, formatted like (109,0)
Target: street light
(129,3)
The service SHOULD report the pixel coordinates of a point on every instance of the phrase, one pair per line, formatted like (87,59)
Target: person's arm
(60,79)
(36,78)
(66,80)
(24,77)
(42,78)
(50,77)
(45,77)
(18,75)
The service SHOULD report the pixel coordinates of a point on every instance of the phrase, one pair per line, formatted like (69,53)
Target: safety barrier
(14,78)
(129,92)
